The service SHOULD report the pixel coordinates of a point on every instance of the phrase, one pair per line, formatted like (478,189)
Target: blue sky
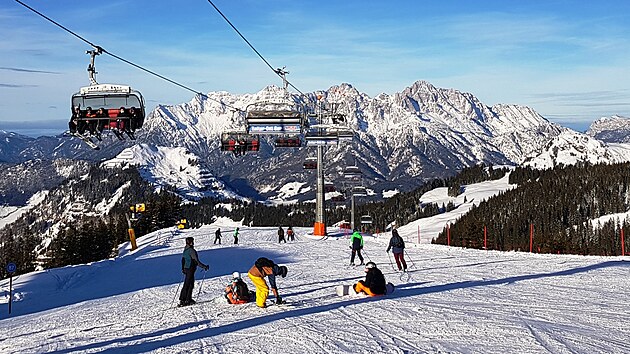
(567,59)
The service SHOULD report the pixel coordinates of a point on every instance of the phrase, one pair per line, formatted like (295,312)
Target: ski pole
(390,261)
(201,284)
(366,256)
(410,260)
(177,291)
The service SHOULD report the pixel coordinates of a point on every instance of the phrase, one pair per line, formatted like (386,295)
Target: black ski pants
(358,252)
(189,283)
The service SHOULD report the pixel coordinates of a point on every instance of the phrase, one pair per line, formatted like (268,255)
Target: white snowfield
(456,300)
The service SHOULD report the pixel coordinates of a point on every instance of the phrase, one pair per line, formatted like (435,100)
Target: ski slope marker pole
(623,244)
(485,237)
(448,234)
(531,237)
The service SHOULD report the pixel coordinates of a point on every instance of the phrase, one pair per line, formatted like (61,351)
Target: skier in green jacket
(357,244)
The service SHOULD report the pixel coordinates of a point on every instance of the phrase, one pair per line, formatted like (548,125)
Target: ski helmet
(282,271)
(370,265)
(236,276)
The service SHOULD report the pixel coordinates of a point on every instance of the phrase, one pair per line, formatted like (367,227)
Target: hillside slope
(455,300)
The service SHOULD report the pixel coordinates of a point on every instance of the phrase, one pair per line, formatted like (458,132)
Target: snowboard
(343,290)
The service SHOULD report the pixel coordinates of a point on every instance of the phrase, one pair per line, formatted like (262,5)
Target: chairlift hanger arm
(96,47)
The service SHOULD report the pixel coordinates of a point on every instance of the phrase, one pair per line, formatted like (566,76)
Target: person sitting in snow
(374,283)
(266,268)
(237,292)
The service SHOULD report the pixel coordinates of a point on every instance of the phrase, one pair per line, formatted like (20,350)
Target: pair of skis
(89,142)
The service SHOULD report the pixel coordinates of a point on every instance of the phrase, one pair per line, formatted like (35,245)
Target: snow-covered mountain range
(400,140)
(173,167)
(615,129)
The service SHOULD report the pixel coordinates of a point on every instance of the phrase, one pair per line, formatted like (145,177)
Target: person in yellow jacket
(266,268)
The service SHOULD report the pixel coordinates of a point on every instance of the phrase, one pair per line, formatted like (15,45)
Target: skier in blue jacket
(189,266)
(397,245)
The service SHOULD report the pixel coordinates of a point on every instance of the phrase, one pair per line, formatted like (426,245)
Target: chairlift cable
(276,71)
(127,61)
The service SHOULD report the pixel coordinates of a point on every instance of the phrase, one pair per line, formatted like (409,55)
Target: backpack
(263,262)
(398,242)
(241,290)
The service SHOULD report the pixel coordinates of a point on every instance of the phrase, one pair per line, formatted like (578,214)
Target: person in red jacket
(237,292)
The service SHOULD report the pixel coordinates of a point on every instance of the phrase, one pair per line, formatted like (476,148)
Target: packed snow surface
(455,300)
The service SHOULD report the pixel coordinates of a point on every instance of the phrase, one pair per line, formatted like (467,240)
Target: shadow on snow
(405,290)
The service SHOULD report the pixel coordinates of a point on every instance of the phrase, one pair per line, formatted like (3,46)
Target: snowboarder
(237,292)
(189,266)
(374,283)
(281,235)
(397,245)
(265,267)
(357,244)
(217,236)
(290,234)
(236,236)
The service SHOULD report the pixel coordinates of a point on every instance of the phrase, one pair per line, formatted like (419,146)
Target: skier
(189,266)
(236,236)
(76,124)
(357,244)
(290,234)
(217,236)
(281,235)
(397,245)
(237,292)
(265,267)
(374,283)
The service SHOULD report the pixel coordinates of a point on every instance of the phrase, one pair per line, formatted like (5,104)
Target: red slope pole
(448,234)
(531,237)
(485,237)
(623,244)
(418,234)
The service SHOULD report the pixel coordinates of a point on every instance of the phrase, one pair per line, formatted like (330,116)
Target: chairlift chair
(366,220)
(338,199)
(239,142)
(352,173)
(288,141)
(310,163)
(321,138)
(106,106)
(359,191)
(329,187)
(274,118)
